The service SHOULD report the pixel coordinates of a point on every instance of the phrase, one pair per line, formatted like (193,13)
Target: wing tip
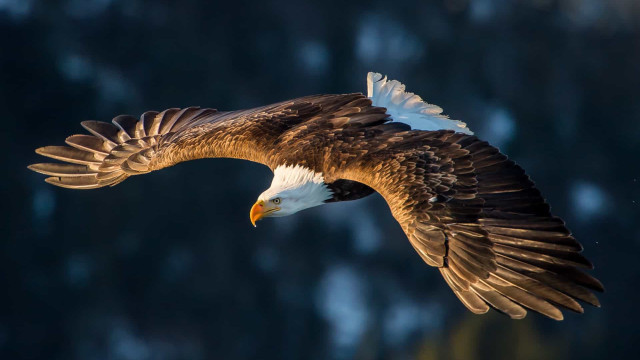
(597,285)
(517,316)
(557,314)
(53,180)
(42,150)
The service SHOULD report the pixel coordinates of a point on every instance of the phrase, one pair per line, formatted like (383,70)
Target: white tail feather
(408,107)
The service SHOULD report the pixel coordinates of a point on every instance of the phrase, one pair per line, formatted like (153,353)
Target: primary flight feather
(465,207)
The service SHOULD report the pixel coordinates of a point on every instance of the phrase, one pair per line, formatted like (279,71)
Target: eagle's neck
(300,185)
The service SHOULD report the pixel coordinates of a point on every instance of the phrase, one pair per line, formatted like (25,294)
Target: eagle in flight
(465,207)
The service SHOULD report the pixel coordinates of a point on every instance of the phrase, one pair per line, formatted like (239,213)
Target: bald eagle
(465,208)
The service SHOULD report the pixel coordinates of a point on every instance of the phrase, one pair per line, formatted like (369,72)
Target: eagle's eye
(276,201)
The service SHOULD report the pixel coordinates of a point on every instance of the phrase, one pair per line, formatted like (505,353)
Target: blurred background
(167,265)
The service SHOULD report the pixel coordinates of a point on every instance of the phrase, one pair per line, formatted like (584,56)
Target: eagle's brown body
(466,208)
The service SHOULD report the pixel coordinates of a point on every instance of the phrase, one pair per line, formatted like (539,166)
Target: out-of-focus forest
(168,266)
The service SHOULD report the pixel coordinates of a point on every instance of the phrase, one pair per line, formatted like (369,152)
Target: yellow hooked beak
(261,209)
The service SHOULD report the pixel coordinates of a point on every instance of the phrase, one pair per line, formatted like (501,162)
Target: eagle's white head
(293,188)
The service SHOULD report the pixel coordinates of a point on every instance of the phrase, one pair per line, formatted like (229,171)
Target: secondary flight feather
(465,207)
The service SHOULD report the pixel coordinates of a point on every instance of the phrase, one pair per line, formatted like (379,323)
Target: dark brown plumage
(466,208)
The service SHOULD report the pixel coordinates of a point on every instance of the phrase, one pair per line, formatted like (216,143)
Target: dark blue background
(167,265)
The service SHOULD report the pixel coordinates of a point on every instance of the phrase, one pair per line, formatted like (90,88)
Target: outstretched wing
(475,215)
(130,146)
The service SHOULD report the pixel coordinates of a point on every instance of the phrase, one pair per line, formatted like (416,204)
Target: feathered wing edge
(130,146)
(113,151)
(409,108)
(478,218)
(533,261)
